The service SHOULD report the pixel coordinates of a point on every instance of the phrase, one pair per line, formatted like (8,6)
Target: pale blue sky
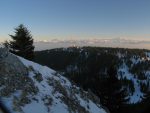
(49,19)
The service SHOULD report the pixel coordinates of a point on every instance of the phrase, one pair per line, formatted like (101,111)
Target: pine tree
(145,104)
(112,94)
(21,43)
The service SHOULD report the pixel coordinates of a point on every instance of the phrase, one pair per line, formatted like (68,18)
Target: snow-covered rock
(27,87)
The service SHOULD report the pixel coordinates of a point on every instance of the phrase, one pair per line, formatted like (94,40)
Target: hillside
(27,87)
(84,65)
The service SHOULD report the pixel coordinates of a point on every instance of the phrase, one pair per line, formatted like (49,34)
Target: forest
(118,76)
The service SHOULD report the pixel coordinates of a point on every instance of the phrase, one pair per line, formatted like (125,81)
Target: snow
(45,89)
(8,102)
(92,107)
(44,70)
(30,108)
(136,97)
(135,61)
(59,108)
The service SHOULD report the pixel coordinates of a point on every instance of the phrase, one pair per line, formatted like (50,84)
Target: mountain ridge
(27,87)
(132,65)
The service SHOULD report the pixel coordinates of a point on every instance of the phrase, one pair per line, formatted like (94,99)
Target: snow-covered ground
(124,69)
(55,94)
(137,95)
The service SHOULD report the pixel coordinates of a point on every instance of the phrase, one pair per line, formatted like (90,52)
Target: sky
(77,19)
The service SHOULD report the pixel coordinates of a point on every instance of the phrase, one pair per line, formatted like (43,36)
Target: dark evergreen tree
(145,104)
(21,43)
(112,94)
(6,44)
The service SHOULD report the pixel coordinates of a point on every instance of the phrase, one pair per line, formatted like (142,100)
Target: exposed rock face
(11,64)
(13,75)
(27,87)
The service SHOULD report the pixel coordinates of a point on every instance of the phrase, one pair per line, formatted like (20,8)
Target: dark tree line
(112,93)
(21,43)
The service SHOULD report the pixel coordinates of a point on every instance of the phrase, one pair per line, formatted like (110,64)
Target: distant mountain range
(102,42)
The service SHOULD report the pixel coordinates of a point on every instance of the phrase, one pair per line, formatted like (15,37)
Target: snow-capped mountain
(27,87)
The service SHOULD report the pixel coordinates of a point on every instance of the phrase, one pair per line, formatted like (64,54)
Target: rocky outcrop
(27,87)
(9,63)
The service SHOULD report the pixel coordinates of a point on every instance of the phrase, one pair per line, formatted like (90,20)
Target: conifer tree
(112,94)
(21,43)
(145,104)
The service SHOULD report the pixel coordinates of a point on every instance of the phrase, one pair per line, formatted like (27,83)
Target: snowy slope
(41,90)
(137,95)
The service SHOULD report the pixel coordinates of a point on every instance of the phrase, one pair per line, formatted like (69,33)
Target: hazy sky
(49,19)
